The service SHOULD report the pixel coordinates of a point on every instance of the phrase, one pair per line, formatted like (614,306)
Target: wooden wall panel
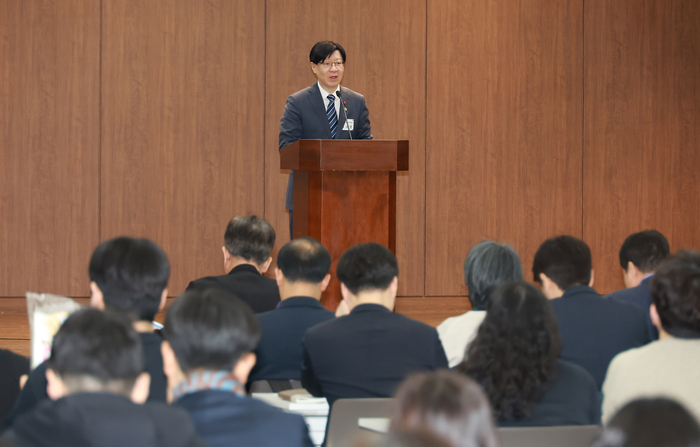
(385,45)
(182,134)
(504,125)
(642,126)
(49,143)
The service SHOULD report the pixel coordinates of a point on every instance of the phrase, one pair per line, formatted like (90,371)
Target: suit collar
(300,301)
(244,268)
(579,290)
(369,308)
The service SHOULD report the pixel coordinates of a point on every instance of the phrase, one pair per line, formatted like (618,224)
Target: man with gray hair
(488,265)
(248,242)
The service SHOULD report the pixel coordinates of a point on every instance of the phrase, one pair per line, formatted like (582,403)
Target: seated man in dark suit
(593,329)
(248,242)
(13,367)
(368,352)
(302,276)
(130,275)
(640,254)
(97,385)
(207,355)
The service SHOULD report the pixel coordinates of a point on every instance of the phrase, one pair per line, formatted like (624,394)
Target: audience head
(407,438)
(675,292)
(208,330)
(641,253)
(448,404)
(560,263)
(368,269)
(323,49)
(250,239)
(304,260)
(130,275)
(488,265)
(651,423)
(96,351)
(515,350)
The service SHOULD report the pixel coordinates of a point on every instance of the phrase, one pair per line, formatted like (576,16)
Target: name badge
(349,125)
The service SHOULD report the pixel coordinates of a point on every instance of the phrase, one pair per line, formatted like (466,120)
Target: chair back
(343,427)
(568,436)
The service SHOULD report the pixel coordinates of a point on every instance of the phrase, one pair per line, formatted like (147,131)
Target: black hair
(446,403)
(250,238)
(645,250)
(304,259)
(514,354)
(566,260)
(651,423)
(366,267)
(488,265)
(675,291)
(131,274)
(100,345)
(210,329)
(323,49)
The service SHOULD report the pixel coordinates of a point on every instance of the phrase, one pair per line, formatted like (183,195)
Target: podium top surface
(345,155)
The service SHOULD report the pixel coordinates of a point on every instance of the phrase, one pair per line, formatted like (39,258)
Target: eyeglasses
(328,65)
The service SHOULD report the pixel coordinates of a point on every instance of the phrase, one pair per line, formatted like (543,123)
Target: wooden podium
(344,194)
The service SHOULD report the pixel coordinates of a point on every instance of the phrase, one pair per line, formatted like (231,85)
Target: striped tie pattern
(332,116)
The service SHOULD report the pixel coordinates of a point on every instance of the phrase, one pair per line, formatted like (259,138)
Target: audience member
(13,367)
(640,254)
(447,404)
(515,358)
(667,367)
(488,265)
(368,352)
(651,423)
(302,276)
(126,274)
(248,242)
(407,438)
(593,329)
(207,352)
(96,384)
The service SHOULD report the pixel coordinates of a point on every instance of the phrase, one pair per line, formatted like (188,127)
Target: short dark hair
(448,404)
(250,238)
(210,329)
(100,345)
(304,259)
(321,50)
(675,291)
(366,267)
(651,423)
(645,250)
(566,260)
(515,350)
(488,265)
(131,274)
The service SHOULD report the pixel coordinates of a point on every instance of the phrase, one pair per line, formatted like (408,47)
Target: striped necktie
(332,116)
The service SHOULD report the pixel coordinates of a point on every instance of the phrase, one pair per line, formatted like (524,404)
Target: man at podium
(323,110)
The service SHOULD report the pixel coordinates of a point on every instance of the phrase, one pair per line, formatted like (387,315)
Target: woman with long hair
(515,358)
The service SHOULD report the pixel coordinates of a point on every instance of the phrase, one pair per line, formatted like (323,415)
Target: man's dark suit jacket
(224,419)
(640,296)
(283,329)
(594,330)
(367,353)
(304,118)
(13,366)
(245,282)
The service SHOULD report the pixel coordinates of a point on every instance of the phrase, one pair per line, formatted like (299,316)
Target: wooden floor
(14,323)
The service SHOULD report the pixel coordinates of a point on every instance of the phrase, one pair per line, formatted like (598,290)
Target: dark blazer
(640,296)
(245,282)
(34,390)
(573,399)
(13,366)
(367,353)
(283,329)
(594,330)
(224,419)
(304,118)
(104,420)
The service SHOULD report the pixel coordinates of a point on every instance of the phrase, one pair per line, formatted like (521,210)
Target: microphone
(345,109)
